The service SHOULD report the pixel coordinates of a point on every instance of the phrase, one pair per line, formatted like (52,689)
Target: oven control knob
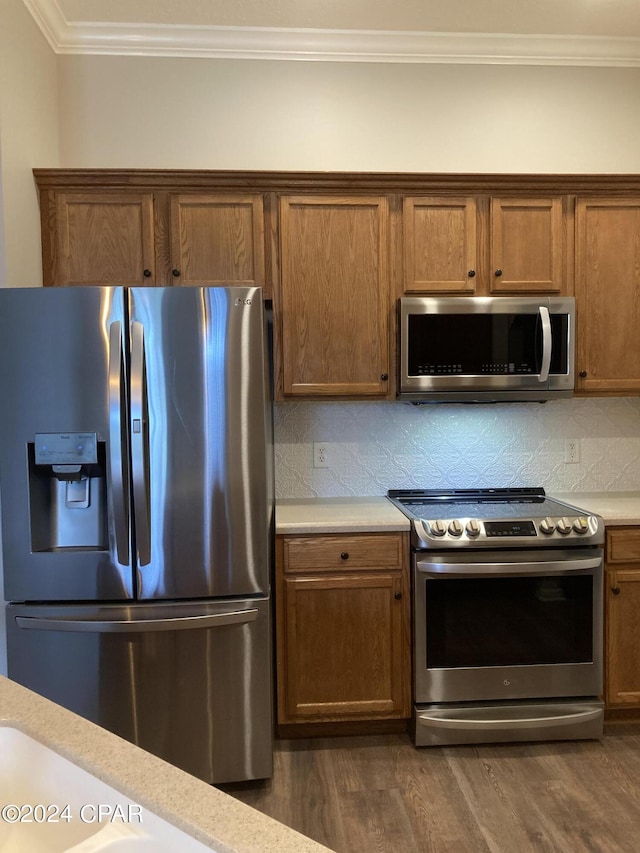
(581,525)
(473,527)
(547,525)
(438,528)
(564,526)
(455,528)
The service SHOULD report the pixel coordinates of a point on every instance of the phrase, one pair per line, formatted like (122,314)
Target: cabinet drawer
(331,553)
(623,545)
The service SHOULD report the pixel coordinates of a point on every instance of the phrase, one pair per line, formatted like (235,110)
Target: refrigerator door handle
(137,626)
(139,445)
(116,441)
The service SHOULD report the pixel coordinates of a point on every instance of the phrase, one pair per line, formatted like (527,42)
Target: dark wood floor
(377,794)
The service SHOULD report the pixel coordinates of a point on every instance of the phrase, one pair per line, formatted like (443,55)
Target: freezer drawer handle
(138,626)
(514,723)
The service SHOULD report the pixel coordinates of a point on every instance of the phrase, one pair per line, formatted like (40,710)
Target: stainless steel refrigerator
(137,515)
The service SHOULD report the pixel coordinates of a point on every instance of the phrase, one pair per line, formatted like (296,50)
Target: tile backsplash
(373,447)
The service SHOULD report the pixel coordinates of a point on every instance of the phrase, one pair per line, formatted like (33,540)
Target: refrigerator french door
(137,515)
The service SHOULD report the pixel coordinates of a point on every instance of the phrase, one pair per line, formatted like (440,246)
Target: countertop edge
(202,811)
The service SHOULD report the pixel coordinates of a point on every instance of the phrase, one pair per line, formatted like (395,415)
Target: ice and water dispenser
(67,491)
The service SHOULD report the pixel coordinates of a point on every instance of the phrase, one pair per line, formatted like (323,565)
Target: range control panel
(532,532)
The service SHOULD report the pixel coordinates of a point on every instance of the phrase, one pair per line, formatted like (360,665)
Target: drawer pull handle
(344,555)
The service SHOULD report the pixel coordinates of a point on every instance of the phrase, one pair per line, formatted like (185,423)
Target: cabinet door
(622,597)
(527,246)
(345,648)
(608,295)
(104,238)
(440,245)
(623,636)
(334,296)
(217,239)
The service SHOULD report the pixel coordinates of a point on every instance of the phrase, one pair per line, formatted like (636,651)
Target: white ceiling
(558,17)
(559,32)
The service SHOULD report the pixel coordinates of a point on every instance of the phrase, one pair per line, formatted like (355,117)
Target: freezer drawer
(189,682)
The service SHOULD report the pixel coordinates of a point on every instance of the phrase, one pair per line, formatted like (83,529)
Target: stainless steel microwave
(486,349)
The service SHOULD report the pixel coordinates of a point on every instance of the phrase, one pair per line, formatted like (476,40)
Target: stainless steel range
(507,610)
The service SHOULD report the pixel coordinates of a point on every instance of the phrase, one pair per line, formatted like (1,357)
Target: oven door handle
(477,723)
(479,569)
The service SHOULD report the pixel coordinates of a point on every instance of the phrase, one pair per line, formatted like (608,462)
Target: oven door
(508,625)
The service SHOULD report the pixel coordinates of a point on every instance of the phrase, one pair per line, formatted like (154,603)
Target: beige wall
(28,137)
(198,113)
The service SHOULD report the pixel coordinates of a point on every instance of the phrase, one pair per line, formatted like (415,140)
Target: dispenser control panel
(66,448)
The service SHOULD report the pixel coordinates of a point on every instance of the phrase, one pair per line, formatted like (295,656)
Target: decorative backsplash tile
(373,447)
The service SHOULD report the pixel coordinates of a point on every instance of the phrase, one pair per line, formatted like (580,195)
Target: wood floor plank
(377,794)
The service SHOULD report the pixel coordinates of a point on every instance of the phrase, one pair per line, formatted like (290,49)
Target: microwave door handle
(116,444)
(139,461)
(546,344)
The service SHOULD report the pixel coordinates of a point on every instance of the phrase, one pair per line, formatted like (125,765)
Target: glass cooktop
(482,517)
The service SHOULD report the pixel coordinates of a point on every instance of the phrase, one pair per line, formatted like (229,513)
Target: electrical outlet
(572,450)
(320,454)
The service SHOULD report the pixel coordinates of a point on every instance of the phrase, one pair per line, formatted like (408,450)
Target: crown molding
(328,45)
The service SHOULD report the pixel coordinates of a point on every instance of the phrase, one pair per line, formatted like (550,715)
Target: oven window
(484,344)
(509,621)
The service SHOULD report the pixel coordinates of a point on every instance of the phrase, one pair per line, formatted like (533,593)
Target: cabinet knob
(344,555)
(384,376)
(176,273)
(615,590)
(147,273)
(398,596)
(471,273)
(498,273)
(582,374)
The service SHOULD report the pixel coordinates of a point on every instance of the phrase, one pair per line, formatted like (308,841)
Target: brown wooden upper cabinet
(334,302)
(608,295)
(481,245)
(217,239)
(528,247)
(122,237)
(102,238)
(441,252)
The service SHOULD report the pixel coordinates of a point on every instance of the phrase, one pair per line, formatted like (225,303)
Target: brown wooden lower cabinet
(343,628)
(622,617)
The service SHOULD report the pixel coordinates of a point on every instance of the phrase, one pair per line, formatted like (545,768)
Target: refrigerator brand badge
(242,302)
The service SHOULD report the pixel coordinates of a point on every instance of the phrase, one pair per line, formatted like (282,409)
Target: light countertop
(338,515)
(202,811)
(616,508)
(376,514)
